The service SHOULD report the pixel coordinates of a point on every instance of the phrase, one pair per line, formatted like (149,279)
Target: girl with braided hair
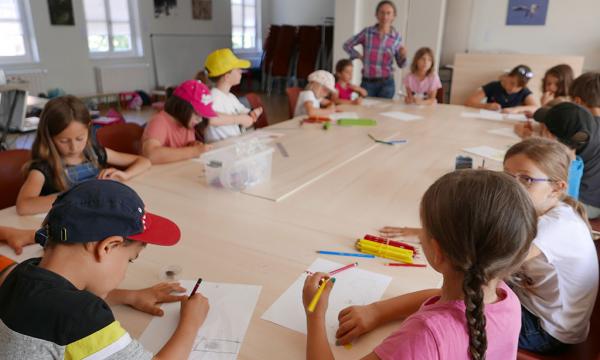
(477,229)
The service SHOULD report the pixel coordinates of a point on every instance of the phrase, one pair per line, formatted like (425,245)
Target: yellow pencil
(315,299)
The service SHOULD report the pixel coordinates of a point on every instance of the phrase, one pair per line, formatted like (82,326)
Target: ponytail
(473,290)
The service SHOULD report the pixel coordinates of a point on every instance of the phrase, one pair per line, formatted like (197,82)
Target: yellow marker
(348,346)
(315,299)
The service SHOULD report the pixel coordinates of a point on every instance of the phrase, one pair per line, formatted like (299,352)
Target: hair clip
(525,72)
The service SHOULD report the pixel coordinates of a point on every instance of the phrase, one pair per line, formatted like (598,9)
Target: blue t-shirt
(495,93)
(575,175)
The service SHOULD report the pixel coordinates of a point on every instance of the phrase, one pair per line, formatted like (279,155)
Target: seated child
(65,153)
(510,94)
(585,91)
(423,82)
(477,228)
(347,93)
(556,83)
(576,127)
(170,134)
(225,71)
(56,306)
(558,282)
(312,101)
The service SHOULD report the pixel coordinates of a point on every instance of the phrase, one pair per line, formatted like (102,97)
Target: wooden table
(338,185)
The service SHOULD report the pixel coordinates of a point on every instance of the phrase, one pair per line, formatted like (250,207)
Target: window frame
(29,41)
(257,30)
(134,26)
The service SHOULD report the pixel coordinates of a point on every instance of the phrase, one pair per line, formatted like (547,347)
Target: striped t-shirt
(43,316)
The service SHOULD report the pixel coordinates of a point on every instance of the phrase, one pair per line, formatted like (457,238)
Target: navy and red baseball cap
(97,209)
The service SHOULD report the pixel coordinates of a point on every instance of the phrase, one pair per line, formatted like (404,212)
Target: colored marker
(333,272)
(404,264)
(315,299)
(345,254)
(398,141)
(196,287)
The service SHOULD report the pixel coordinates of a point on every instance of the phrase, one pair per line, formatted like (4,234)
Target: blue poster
(527,12)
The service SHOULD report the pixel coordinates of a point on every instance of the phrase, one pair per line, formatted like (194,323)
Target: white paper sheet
(401,116)
(29,252)
(508,132)
(343,115)
(370,102)
(484,114)
(487,152)
(352,287)
(516,117)
(221,335)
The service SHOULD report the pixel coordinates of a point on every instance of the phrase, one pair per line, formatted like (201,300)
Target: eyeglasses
(528,181)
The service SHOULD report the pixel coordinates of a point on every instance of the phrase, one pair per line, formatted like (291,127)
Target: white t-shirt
(229,104)
(303,97)
(564,276)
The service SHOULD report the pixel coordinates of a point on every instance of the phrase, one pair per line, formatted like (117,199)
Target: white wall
(299,12)
(572,28)
(63,49)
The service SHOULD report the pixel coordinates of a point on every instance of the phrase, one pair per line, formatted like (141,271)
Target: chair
(12,175)
(255,102)
(588,350)
(268,53)
(292,94)
(126,138)
(282,58)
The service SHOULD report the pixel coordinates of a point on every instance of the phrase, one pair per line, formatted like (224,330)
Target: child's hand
(547,97)
(256,113)
(354,322)
(113,174)
(148,300)
(523,129)
(247,120)
(17,238)
(409,99)
(362,91)
(193,310)
(510,111)
(199,148)
(492,106)
(311,285)
(392,231)
(357,101)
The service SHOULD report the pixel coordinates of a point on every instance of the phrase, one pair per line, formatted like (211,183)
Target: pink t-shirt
(439,331)
(422,87)
(168,131)
(344,93)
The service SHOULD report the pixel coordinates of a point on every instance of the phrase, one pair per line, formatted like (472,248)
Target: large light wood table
(342,186)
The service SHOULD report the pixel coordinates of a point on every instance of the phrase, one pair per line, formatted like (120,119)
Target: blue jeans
(383,89)
(534,338)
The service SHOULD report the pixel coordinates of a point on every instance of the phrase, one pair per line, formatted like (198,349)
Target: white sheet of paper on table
(401,116)
(508,132)
(484,115)
(352,287)
(487,152)
(343,115)
(370,102)
(29,252)
(221,335)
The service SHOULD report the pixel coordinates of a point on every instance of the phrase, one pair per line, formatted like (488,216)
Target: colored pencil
(333,272)
(390,242)
(404,264)
(344,254)
(196,287)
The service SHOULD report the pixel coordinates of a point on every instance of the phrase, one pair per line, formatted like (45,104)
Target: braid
(472,288)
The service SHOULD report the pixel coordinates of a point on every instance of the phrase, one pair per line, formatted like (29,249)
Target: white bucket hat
(324,78)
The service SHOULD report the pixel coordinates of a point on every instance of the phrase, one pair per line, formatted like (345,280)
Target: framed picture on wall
(527,12)
(164,7)
(202,9)
(61,12)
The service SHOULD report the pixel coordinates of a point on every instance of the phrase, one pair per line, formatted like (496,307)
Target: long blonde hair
(554,160)
(56,116)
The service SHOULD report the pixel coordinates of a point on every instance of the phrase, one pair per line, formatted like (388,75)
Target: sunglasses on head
(523,71)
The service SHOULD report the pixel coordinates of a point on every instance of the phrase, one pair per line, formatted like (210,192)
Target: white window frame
(31,52)
(258,29)
(134,24)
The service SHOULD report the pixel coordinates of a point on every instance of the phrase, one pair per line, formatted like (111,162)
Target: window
(245,25)
(111,27)
(16,35)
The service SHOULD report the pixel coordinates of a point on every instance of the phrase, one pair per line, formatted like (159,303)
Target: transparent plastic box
(230,168)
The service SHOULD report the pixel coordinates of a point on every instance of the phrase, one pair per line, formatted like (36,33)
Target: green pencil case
(356,122)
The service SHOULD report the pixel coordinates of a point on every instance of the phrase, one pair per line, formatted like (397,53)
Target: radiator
(35,81)
(122,78)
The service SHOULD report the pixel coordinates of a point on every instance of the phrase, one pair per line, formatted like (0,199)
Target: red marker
(333,272)
(395,243)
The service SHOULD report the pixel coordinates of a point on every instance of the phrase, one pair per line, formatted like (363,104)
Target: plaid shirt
(379,51)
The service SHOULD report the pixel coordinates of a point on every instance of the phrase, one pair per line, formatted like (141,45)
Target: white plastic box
(226,168)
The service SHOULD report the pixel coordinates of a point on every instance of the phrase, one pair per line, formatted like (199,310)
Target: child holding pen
(475,315)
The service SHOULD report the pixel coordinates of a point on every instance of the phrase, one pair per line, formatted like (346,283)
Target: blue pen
(398,141)
(345,254)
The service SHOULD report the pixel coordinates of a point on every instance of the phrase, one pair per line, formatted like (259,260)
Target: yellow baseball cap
(222,61)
